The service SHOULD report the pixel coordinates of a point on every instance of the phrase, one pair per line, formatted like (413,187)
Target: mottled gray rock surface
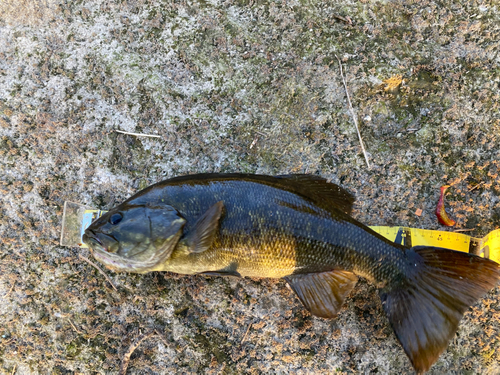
(236,85)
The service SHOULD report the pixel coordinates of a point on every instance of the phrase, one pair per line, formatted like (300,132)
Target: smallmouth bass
(295,227)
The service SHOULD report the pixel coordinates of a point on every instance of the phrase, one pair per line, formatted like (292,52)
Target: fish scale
(294,235)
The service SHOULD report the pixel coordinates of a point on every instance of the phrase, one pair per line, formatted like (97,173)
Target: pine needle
(246,333)
(354,117)
(101,271)
(138,134)
(130,350)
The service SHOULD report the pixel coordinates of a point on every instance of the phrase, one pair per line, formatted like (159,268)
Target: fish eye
(115,218)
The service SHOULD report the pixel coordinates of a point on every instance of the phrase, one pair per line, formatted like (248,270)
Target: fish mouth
(91,240)
(100,242)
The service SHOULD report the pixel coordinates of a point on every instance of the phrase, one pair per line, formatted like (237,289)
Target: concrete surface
(236,85)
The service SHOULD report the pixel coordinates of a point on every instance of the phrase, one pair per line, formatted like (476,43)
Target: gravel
(235,86)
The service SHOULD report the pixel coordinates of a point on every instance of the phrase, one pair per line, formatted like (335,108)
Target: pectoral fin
(205,229)
(323,293)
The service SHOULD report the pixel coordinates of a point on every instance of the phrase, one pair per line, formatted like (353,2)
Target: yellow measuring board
(76,218)
(487,247)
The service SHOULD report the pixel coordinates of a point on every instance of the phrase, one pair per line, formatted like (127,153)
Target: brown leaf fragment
(393,82)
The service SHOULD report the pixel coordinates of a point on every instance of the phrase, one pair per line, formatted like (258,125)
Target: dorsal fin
(325,194)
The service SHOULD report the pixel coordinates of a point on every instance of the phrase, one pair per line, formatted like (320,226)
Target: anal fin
(323,293)
(230,270)
(220,273)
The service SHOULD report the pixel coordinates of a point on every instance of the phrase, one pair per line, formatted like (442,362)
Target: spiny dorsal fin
(325,194)
(200,238)
(323,293)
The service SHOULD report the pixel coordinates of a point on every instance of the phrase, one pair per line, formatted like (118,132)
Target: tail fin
(425,309)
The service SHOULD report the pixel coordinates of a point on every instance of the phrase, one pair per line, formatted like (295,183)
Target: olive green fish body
(266,231)
(297,227)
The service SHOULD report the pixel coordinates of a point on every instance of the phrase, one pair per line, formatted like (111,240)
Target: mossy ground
(250,86)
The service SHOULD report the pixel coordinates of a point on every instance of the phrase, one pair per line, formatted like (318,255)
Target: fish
(299,228)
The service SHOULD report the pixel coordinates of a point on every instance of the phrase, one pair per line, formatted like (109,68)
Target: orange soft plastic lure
(441,214)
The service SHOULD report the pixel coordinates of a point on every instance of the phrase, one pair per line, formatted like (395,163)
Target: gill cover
(135,238)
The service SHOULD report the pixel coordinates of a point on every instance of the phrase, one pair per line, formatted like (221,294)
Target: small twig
(138,134)
(7,342)
(246,333)
(10,290)
(352,113)
(475,187)
(76,329)
(254,142)
(130,350)
(161,338)
(344,19)
(101,271)
(463,230)
(14,369)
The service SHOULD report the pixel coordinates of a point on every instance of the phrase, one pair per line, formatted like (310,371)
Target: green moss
(75,347)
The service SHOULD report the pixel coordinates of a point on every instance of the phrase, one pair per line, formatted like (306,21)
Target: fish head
(135,238)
